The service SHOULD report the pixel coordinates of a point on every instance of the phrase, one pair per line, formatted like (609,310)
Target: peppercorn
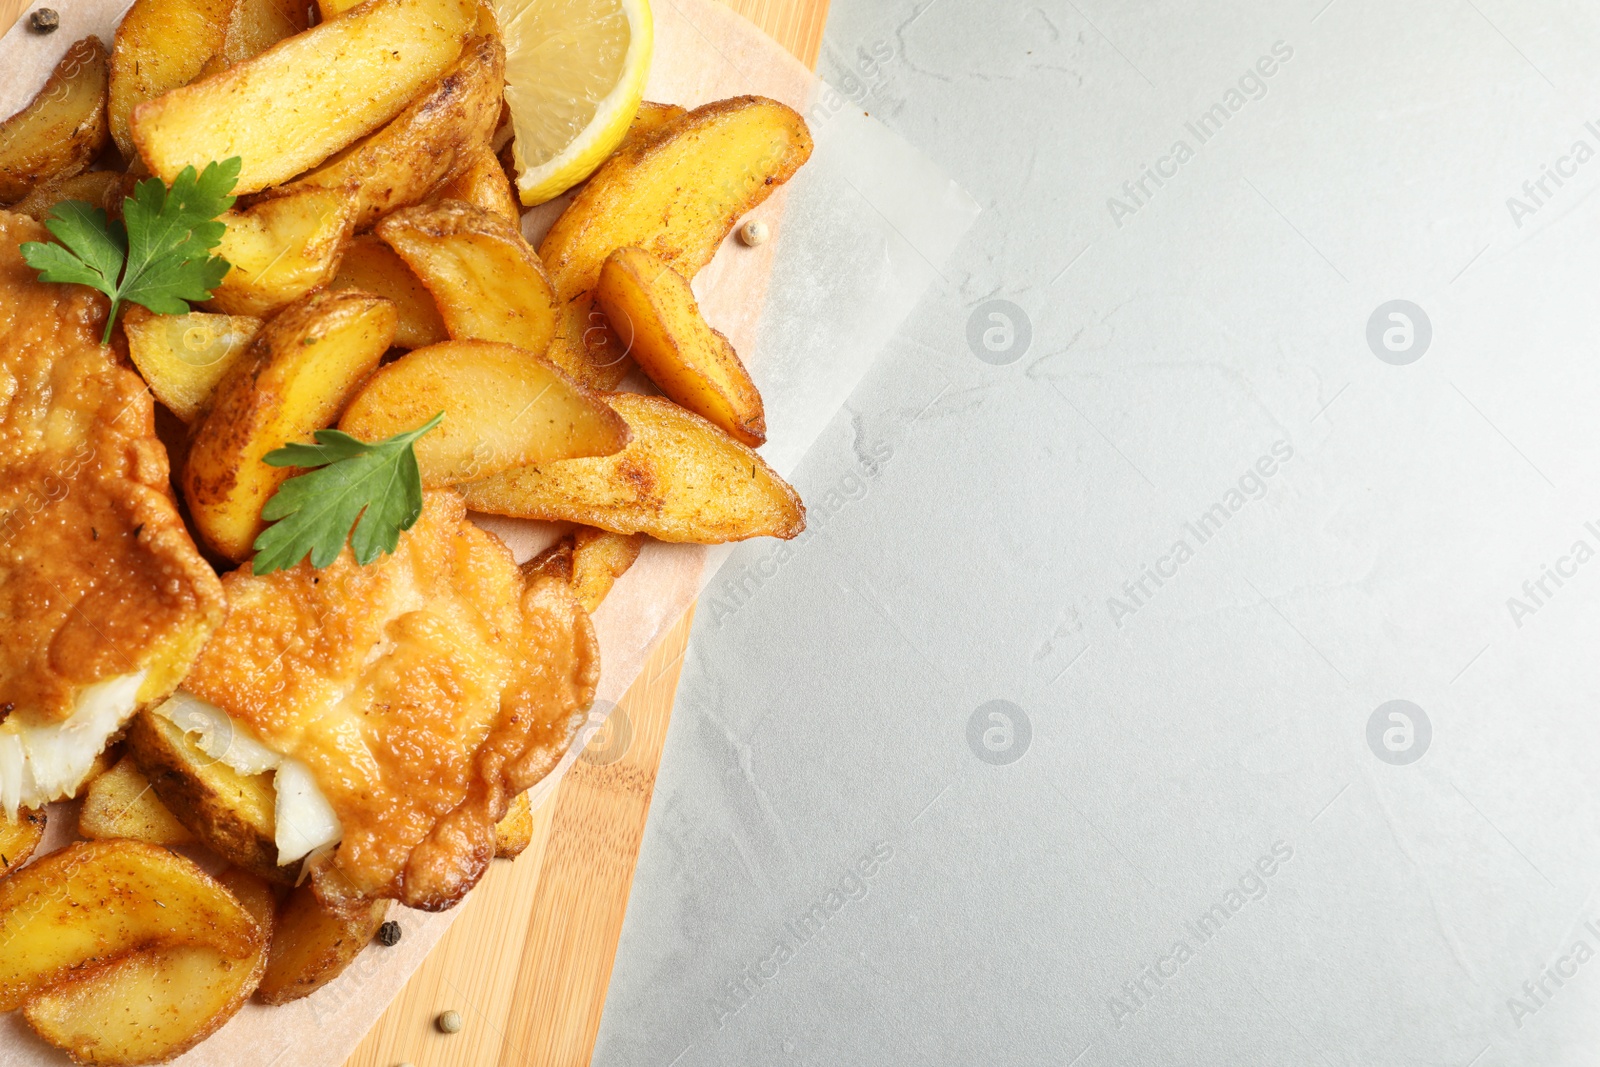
(45,20)
(389,934)
(450,1022)
(753,233)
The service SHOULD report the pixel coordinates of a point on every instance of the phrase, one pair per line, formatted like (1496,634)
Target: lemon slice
(575,73)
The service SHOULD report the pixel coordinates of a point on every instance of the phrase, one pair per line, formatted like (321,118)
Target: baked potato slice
(679,479)
(481,181)
(484,276)
(96,901)
(291,107)
(233,814)
(63,129)
(314,942)
(162,45)
(514,833)
(373,267)
(281,249)
(157,1004)
(648,121)
(588,560)
(503,408)
(675,195)
(256,25)
(183,357)
(297,376)
(19,839)
(651,309)
(409,158)
(95,187)
(121,804)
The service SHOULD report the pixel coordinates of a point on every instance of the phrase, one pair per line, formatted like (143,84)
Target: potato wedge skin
(314,942)
(503,408)
(485,277)
(588,560)
(299,373)
(121,804)
(373,267)
(161,45)
(63,129)
(156,1004)
(19,839)
(675,195)
(289,108)
(680,479)
(281,249)
(482,182)
(514,833)
(183,357)
(256,25)
(98,900)
(406,160)
(95,187)
(652,310)
(233,815)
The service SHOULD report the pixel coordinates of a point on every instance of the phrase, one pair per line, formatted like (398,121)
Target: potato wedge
(98,900)
(514,833)
(19,839)
(157,1004)
(93,187)
(373,267)
(407,159)
(63,129)
(232,814)
(481,182)
(675,195)
(679,479)
(588,560)
(281,249)
(332,9)
(293,106)
(649,121)
(121,804)
(314,942)
(299,373)
(162,45)
(651,309)
(183,357)
(500,403)
(486,279)
(256,25)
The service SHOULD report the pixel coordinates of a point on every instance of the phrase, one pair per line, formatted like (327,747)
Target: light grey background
(971,520)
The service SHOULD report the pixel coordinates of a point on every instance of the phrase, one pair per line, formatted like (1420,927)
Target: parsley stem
(111,322)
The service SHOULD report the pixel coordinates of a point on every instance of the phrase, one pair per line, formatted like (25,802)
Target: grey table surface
(1191,660)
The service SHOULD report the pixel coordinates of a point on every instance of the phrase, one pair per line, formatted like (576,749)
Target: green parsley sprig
(377,483)
(158,256)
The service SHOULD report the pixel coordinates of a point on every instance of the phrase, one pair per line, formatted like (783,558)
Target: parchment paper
(857,238)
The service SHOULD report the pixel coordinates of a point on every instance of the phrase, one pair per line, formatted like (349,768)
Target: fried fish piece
(421,692)
(104,599)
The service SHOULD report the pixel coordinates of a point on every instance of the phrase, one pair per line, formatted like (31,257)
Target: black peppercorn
(389,934)
(45,20)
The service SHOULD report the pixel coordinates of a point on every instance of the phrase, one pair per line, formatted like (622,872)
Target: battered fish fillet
(104,600)
(421,692)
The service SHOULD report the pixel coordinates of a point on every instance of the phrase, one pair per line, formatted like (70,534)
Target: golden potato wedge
(162,45)
(675,195)
(281,249)
(19,839)
(234,815)
(481,182)
(500,403)
(157,1004)
(121,804)
(651,309)
(293,106)
(299,373)
(588,560)
(256,25)
(679,479)
(486,279)
(373,267)
(93,187)
(407,159)
(99,900)
(314,942)
(514,833)
(183,357)
(649,121)
(63,129)
(332,9)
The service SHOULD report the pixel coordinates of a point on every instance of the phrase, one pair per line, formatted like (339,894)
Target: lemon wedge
(575,72)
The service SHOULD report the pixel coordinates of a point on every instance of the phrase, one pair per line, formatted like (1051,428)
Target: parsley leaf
(158,256)
(379,483)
